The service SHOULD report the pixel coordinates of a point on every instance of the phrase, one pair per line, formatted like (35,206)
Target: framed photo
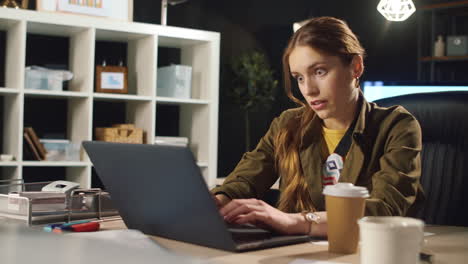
(93,7)
(111,79)
(117,9)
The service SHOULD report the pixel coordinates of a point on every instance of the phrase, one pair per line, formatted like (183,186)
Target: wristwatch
(312,218)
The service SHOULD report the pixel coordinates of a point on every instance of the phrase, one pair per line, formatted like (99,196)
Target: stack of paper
(172,141)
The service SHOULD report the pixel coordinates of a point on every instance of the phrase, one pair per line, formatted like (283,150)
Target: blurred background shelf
(78,45)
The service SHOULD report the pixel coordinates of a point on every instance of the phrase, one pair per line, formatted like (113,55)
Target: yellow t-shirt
(332,138)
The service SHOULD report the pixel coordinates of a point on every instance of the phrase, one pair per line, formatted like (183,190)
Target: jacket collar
(312,132)
(362,115)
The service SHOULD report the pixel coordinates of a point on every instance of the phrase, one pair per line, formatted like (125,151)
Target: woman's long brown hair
(333,37)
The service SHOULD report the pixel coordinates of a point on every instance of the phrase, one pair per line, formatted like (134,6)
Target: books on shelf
(33,148)
(172,141)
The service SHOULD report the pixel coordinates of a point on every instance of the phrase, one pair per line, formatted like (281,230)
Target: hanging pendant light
(396,10)
(164,4)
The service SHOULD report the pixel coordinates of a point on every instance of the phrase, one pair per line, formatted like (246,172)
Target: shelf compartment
(136,51)
(68,118)
(73,50)
(139,113)
(200,56)
(191,121)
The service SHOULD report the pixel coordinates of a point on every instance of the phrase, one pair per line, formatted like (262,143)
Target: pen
(64,226)
(86,227)
(68,225)
(49,228)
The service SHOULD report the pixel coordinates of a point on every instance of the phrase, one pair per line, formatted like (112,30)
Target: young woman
(335,135)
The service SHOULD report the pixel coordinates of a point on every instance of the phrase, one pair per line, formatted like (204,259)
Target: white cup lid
(345,189)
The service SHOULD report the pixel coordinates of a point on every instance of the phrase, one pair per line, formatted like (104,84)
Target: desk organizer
(43,209)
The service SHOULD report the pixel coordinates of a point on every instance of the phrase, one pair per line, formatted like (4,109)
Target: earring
(357,82)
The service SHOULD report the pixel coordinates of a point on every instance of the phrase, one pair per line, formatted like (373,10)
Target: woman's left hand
(261,214)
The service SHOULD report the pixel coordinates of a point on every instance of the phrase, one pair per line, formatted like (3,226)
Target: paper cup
(390,239)
(345,204)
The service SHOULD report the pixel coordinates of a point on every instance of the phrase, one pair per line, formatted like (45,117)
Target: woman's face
(325,82)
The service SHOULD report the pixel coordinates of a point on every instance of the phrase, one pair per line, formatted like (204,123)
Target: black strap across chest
(345,142)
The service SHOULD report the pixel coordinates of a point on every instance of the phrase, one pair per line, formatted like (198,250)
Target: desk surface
(448,244)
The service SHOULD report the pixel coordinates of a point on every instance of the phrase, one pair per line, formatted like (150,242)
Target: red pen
(85,227)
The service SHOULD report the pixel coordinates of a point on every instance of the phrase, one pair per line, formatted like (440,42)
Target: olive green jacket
(384,157)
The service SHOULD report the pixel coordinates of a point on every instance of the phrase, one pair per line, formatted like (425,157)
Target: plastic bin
(61,150)
(175,81)
(45,79)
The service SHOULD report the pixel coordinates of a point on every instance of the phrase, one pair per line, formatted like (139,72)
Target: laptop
(160,191)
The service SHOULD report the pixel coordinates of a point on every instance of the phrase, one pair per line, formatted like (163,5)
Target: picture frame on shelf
(93,7)
(111,79)
(116,9)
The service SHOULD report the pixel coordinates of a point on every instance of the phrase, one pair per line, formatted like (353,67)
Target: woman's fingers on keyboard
(240,206)
(241,210)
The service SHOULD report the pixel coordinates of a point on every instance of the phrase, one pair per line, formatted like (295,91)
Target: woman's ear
(357,66)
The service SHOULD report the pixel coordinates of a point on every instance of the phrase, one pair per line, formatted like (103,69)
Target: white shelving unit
(198,116)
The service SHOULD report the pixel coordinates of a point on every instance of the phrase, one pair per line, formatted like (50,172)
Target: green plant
(253,86)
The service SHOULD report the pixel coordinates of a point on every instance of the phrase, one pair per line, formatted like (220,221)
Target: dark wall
(267,25)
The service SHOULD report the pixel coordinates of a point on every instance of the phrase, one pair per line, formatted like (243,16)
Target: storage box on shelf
(198,114)
(45,79)
(175,81)
(123,133)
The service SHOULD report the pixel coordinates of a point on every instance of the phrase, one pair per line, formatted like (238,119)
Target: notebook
(160,191)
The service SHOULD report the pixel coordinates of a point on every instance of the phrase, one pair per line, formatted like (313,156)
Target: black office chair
(443,117)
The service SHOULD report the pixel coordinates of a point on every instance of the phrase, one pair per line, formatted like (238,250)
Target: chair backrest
(443,117)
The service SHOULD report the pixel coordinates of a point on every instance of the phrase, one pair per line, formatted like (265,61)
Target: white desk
(448,245)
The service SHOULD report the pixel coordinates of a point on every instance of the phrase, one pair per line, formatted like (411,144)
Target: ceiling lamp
(396,10)
(164,4)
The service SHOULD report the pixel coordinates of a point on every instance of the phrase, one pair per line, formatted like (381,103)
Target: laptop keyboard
(250,237)
(241,238)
